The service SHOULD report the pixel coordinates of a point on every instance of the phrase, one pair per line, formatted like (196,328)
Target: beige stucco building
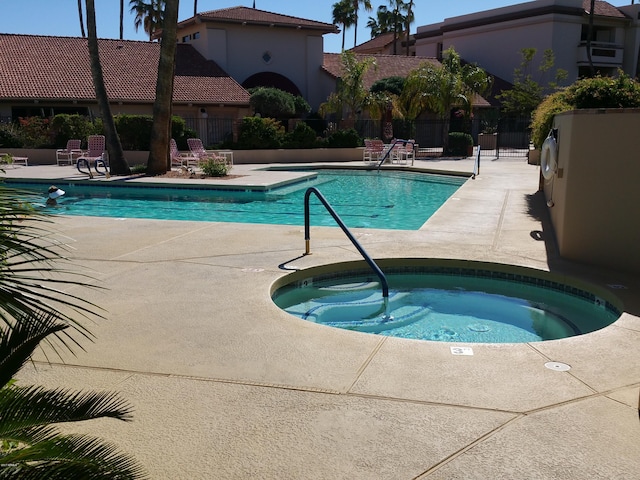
(493,38)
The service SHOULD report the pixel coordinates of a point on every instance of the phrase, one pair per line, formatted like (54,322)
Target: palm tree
(440,88)
(117,163)
(30,445)
(81,19)
(159,161)
(356,6)
(148,15)
(195,7)
(592,7)
(383,23)
(344,15)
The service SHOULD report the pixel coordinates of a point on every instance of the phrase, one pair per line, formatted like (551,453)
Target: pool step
(368,315)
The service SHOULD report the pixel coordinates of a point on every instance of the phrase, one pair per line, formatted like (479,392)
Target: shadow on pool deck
(226,385)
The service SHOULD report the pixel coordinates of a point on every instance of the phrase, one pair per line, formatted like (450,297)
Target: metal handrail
(390,149)
(476,164)
(307,236)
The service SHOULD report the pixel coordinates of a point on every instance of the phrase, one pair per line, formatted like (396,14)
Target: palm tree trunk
(195,7)
(409,10)
(121,19)
(592,71)
(81,19)
(159,161)
(118,164)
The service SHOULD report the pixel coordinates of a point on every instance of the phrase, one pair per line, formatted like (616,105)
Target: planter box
(488,141)
(594,193)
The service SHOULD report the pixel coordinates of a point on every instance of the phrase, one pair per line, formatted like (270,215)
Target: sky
(60,17)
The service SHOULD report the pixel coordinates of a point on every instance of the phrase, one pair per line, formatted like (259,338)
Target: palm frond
(70,456)
(24,408)
(18,343)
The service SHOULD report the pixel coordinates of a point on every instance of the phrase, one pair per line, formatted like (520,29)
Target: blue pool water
(450,307)
(385,199)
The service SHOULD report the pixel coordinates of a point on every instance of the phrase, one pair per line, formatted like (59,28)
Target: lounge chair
(403,153)
(181,159)
(198,151)
(70,154)
(94,157)
(373,151)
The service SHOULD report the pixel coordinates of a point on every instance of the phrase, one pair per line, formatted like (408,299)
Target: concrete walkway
(227,386)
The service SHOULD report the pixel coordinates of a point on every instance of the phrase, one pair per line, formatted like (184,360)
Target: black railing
(336,217)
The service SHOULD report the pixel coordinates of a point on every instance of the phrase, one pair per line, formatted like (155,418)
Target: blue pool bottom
(449,304)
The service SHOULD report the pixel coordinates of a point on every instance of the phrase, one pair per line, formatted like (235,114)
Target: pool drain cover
(557,366)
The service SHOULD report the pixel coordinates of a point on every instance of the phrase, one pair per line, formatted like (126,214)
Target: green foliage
(393,85)
(34,132)
(302,136)
(65,127)
(301,105)
(134,131)
(6,159)
(459,143)
(37,305)
(527,92)
(9,136)
(605,92)
(272,102)
(215,168)
(542,120)
(344,139)
(596,92)
(256,132)
(180,132)
(351,94)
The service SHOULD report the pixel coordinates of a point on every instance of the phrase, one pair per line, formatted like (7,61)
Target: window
(186,38)
(196,36)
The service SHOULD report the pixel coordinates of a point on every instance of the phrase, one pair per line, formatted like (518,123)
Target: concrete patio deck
(225,385)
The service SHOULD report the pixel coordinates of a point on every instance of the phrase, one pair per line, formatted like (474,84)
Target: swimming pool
(448,301)
(385,199)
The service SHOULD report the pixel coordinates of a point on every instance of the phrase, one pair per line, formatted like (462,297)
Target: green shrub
(9,136)
(180,132)
(65,127)
(542,120)
(596,92)
(35,132)
(459,143)
(134,131)
(272,102)
(344,139)
(214,168)
(256,132)
(302,136)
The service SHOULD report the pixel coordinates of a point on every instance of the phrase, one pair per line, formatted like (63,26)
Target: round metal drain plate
(557,366)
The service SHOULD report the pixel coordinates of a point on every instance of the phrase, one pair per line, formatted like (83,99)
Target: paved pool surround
(226,385)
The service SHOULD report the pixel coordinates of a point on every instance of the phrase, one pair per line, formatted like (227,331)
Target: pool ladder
(336,217)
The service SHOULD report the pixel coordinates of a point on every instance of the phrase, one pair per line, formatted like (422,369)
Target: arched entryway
(271,79)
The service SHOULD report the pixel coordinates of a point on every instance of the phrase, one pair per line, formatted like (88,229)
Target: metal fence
(212,130)
(507,136)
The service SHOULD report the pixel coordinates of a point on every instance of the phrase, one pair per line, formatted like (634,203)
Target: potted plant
(488,138)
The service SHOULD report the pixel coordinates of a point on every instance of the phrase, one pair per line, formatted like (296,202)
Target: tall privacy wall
(596,188)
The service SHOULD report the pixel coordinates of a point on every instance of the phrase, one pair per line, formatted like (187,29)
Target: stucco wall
(595,194)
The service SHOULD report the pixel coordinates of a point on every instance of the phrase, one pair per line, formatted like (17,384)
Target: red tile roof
(602,8)
(57,68)
(386,65)
(375,44)
(254,16)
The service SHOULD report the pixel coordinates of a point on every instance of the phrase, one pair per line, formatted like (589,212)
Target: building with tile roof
(259,48)
(49,75)
(494,38)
